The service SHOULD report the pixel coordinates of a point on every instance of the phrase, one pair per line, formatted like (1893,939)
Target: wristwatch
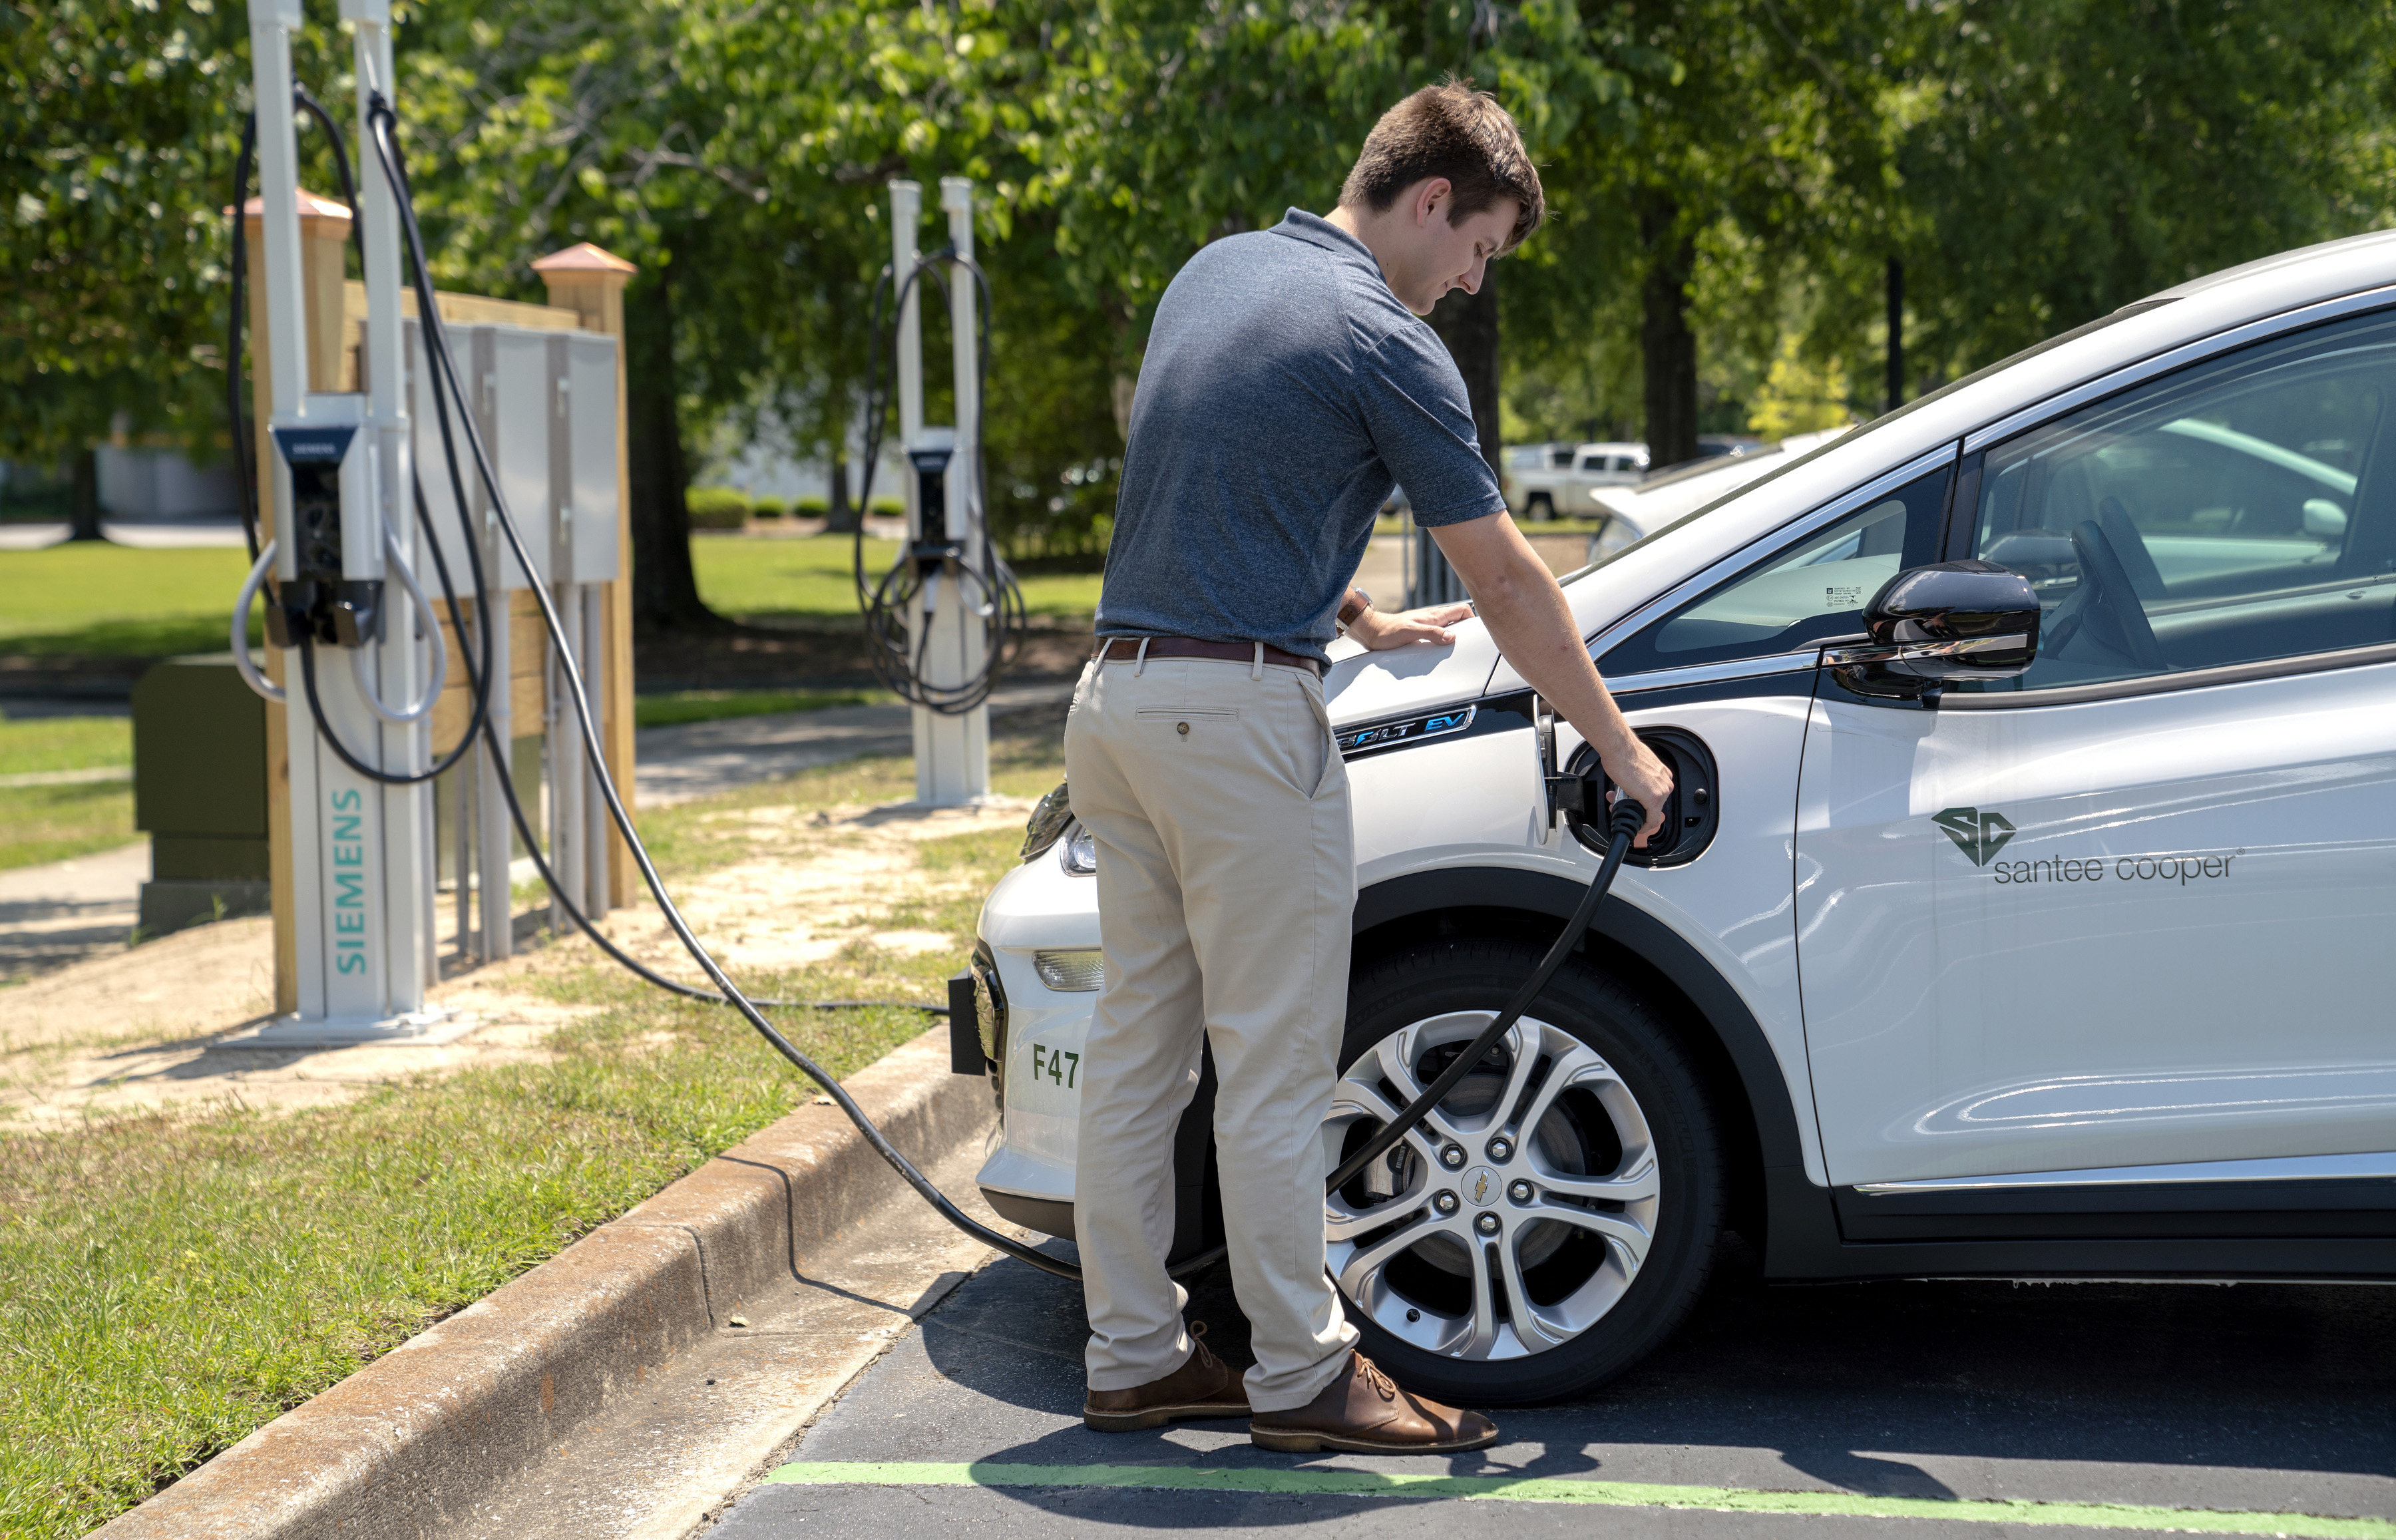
(1355,605)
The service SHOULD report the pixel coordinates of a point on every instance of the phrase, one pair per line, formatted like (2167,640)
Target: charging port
(1691,813)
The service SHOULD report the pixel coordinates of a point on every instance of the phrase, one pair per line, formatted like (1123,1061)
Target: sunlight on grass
(169,1282)
(94,599)
(810,580)
(59,823)
(64,743)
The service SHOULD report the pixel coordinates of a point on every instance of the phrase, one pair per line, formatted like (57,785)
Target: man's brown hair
(1454,132)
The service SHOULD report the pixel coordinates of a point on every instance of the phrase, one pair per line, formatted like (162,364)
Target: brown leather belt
(1124,649)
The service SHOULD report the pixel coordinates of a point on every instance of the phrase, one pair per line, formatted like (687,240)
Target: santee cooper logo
(1979,835)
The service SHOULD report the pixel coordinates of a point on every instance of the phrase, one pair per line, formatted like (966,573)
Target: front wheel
(1555,1218)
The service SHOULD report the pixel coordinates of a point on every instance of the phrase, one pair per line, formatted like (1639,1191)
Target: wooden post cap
(318,216)
(584,264)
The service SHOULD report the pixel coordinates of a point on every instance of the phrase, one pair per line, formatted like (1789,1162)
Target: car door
(2124,918)
(1728,658)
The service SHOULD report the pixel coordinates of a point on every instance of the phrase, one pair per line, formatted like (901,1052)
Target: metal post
(906,210)
(360,895)
(951,751)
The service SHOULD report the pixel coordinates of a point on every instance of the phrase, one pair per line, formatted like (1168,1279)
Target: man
(1289,380)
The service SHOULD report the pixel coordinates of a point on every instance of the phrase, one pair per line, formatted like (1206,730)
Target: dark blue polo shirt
(1284,392)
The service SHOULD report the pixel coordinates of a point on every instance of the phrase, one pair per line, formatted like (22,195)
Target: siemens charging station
(360,659)
(361,851)
(951,748)
(946,618)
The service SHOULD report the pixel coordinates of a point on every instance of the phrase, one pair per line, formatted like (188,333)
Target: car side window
(2238,511)
(1812,588)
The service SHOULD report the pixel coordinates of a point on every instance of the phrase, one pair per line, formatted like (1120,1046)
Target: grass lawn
(39,824)
(810,579)
(168,1284)
(57,823)
(95,600)
(64,743)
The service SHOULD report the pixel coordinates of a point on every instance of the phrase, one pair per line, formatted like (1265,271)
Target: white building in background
(144,484)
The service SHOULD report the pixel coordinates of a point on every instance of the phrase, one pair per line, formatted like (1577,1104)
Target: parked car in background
(1634,512)
(1547,481)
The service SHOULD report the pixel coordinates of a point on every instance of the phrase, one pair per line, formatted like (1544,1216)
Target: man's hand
(1638,774)
(1518,599)
(1380,632)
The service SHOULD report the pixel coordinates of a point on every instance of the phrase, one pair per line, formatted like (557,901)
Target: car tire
(1680,1128)
(1540,507)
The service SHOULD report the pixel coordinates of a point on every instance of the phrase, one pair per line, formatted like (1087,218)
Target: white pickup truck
(1543,481)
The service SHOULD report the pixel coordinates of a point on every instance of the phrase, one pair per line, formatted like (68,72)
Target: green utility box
(199,792)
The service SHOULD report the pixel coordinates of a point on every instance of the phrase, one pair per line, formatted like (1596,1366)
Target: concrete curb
(417,1438)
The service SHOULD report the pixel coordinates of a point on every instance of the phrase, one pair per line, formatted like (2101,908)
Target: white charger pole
(400,672)
(952,749)
(361,851)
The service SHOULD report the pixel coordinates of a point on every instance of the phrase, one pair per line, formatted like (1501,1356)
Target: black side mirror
(1933,625)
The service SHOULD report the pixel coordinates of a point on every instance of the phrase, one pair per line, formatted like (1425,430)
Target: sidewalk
(700,759)
(55,914)
(69,910)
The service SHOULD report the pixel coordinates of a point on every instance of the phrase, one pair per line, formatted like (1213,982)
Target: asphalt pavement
(1952,1407)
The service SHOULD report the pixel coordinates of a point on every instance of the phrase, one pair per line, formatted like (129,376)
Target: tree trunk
(82,504)
(839,517)
(1667,349)
(665,590)
(1468,324)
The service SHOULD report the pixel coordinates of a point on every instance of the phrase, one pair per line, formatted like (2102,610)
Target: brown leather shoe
(1204,1387)
(1362,1412)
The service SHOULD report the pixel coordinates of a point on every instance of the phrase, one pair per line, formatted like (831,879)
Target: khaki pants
(1226,881)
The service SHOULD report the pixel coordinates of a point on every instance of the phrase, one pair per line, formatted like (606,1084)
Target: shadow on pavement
(2295,1378)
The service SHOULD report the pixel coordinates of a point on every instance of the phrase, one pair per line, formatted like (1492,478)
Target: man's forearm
(1534,627)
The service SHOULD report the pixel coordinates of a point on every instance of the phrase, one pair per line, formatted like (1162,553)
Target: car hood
(1368,686)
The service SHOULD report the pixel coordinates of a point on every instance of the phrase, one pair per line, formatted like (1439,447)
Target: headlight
(1047,821)
(1080,856)
(1070,972)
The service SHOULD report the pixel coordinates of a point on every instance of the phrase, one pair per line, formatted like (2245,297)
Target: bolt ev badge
(1979,835)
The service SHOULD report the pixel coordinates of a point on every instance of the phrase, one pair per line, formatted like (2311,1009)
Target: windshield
(1609,558)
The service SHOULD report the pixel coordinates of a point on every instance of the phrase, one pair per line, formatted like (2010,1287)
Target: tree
(2076,156)
(118,130)
(539,123)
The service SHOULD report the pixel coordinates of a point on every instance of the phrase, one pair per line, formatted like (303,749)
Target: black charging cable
(1627,819)
(383,125)
(523,822)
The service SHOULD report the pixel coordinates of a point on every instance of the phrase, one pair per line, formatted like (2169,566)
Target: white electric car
(2082,968)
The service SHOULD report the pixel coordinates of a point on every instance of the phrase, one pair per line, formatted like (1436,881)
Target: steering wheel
(2115,596)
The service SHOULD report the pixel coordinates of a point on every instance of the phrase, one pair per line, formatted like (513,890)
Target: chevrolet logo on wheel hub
(1482,1186)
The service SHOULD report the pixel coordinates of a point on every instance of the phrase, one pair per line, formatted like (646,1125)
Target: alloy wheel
(1520,1211)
